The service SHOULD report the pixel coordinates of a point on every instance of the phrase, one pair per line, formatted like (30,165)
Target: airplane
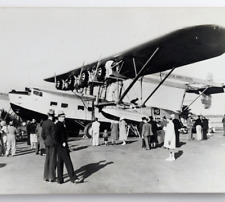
(89,83)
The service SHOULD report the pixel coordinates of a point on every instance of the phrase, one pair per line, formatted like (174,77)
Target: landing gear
(87,130)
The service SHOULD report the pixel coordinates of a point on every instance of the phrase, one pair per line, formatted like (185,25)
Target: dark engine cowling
(100,74)
(60,84)
(84,79)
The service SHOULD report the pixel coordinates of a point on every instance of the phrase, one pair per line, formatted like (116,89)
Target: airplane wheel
(101,73)
(87,130)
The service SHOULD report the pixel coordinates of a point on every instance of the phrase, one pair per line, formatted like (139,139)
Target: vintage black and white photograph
(112,100)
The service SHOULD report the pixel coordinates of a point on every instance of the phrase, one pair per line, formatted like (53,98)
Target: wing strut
(143,105)
(196,98)
(136,78)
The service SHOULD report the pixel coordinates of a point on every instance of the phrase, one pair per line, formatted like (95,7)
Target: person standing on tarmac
(48,135)
(95,132)
(223,121)
(146,133)
(63,155)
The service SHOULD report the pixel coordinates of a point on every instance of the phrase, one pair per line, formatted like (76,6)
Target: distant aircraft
(90,83)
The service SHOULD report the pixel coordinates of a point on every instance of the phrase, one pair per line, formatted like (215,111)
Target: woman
(122,131)
(11,139)
(3,133)
(41,145)
(198,125)
(170,140)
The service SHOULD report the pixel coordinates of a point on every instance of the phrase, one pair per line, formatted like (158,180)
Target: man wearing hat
(48,134)
(63,155)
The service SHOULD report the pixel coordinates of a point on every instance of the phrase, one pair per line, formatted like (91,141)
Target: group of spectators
(8,138)
(119,131)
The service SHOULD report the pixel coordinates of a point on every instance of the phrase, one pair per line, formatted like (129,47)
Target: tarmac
(199,168)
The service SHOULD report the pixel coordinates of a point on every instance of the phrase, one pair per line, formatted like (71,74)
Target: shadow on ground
(178,154)
(2,165)
(89,169)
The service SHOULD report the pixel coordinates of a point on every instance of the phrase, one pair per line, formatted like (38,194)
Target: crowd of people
(148,128)
(49,138)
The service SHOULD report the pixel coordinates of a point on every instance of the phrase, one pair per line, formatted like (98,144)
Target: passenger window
(53,103)
(64,105)
(80,107)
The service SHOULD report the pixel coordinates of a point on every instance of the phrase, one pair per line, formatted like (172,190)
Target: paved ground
(199,168)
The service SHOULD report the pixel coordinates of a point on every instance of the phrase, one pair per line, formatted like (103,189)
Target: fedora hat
(51,112)
(61,113)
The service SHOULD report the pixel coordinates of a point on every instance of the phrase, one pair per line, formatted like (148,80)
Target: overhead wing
(208,91)
(179,48)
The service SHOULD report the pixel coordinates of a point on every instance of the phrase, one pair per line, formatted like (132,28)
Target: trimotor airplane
(90,83)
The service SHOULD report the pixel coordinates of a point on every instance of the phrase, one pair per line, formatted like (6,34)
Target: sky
(37,42)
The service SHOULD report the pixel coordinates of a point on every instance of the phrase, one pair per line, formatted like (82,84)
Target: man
(33,135)
(140,126)
(28,132)
(223,121)
(153,138)
(63,155)
(205,127)
(95,132)
(48,134)
(146,133)
(189,127)
(177,127)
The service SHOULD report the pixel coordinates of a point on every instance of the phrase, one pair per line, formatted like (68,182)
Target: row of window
(64,105)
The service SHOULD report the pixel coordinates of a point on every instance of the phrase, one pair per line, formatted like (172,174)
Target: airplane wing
(179,48)
(207,91)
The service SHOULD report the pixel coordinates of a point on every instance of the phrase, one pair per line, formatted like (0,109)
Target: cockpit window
(38,93)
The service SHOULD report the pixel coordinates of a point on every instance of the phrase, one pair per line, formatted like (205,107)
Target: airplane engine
(100,74)
(69,85)
(206,101)
(60,84)
(84,79)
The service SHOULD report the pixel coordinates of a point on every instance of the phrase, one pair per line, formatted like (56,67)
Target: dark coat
(205,124)
(48,132)
(60,134)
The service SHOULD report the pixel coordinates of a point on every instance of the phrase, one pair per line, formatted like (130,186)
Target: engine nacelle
(206,101)
(60,84)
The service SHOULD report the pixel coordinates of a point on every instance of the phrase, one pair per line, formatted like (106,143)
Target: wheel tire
(87,130)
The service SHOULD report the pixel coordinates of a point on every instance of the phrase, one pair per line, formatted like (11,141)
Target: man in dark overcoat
(177,127)
(205,127)
(48,135)
(63,155)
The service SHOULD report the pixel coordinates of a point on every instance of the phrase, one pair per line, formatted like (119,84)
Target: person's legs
(60,168)
(13,145)
(147,142)
(46,166)
(52,163)
(8,145)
